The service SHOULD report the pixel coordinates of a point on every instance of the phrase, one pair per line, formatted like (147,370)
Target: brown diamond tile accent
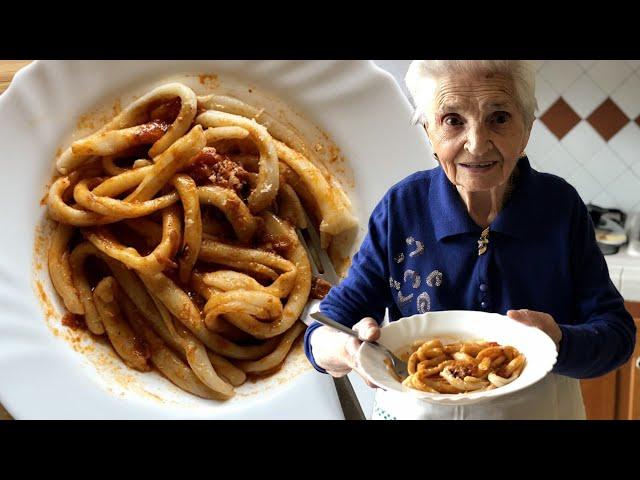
(638,120)
(608,119)
(560,118)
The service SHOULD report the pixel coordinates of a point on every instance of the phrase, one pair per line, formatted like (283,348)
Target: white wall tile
(627,96)
(559,162)
(541,142)
(609,74)
(585,184)
(535,165)
(584,96)
(605,200)
(586,63)
(605,166)
(561,73)
(626,143)
(626,190)
(583,142)
(634,64)
(545,94)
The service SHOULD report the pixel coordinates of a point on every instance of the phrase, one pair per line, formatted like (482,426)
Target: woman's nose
(477,142)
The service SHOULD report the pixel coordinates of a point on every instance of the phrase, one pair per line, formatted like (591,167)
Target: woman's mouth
(478,166)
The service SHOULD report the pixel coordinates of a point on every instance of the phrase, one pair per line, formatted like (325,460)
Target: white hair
(423,75)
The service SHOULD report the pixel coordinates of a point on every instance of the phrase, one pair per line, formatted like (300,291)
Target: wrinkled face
(477,130)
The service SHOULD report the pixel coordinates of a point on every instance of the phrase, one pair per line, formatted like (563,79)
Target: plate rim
(12,401)
(461,399)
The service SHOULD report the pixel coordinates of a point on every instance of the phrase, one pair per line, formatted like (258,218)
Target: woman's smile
(478,167)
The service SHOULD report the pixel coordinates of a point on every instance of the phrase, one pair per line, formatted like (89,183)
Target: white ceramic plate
(47,370)
(538,349)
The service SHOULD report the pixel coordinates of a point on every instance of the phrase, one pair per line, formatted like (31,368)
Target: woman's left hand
(541,320)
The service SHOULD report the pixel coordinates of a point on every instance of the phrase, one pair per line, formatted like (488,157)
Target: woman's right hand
(336,351)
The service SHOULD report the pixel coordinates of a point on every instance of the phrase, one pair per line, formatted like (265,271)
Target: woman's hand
(336,351)
(541,320)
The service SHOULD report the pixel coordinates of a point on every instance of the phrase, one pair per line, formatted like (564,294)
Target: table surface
(8,68)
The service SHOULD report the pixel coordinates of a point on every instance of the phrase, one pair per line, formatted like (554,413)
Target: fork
(323,268)
(399,366)
(328,273)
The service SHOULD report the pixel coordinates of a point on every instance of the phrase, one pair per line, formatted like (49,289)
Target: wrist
(557,338)
(309,336)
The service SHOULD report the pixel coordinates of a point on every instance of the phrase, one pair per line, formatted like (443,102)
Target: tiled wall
(588,128)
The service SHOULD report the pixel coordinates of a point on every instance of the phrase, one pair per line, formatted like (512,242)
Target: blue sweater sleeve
(602,337)
(365,291)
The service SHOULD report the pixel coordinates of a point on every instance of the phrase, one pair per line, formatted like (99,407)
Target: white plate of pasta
(460,357)
(154,264)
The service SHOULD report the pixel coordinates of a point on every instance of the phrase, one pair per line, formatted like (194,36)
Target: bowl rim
(471,397)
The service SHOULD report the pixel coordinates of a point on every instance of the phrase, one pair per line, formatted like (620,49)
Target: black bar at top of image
(323,31)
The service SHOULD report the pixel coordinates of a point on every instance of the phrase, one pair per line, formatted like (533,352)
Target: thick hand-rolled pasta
(178,243)
(138,113)
(237,213)
(268,179)
(133,352)
(155,261)
(462,367)
(192,237)
(60,269)
(336,217)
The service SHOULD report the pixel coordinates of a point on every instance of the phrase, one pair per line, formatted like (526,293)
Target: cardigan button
(484,287)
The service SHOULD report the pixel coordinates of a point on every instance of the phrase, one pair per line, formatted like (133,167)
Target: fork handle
(351,408)
(322,318)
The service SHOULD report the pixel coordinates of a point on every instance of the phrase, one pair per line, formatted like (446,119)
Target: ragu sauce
(75,322)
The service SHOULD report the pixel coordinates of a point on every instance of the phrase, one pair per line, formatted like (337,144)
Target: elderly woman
(491,234)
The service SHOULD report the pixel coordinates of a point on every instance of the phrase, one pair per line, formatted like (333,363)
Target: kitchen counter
(624,270)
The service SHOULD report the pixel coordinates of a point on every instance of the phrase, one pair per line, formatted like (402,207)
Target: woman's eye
(501,117)
(452,120)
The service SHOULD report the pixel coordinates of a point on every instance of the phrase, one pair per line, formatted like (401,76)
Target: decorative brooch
(483,242)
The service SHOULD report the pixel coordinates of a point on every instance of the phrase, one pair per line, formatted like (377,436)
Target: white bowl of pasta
(147,349)
(460,357)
